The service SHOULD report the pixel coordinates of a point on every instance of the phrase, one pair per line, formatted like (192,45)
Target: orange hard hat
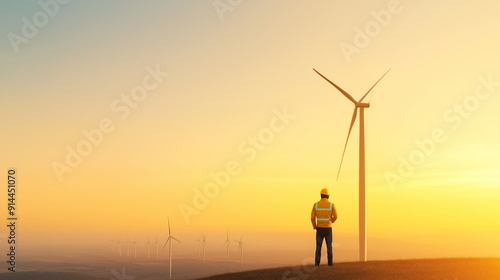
(325,192)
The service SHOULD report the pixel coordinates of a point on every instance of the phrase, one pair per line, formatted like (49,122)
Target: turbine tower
(112,242)
(156,244)
(240,248)
(135,247)
(362,187)
(119,244)
(199,245)
(227,243)
(128,247)
(148,244)
(203,244)
(170,238)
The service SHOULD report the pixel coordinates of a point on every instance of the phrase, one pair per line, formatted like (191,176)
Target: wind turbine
(128,248)
(199,245)
(135,247)
(148,244)
(113,242)
(156,244)
(227,243)
(203,244)
(240,247)
(119,243)
(362,187)
(170,238)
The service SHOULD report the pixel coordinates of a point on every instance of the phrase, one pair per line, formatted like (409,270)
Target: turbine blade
(341,90)
(373,86)
(347,140)
(169,227)
(175,239)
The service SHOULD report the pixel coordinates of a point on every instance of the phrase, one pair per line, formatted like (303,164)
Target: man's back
(324,212)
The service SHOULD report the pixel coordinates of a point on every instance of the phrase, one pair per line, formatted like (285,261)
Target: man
(325,213)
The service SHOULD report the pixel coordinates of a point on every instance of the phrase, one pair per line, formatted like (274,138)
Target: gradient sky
(225,79)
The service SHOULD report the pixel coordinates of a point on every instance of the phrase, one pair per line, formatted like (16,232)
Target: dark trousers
(324,233)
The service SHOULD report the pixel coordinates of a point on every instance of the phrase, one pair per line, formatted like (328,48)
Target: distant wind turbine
(170,238)
(135,247)
(113,242)
(227,243)
(362,187)
(148,244)
(119,244)
(240,248)
(203,244)
(199,245)
(156,244)
(128,248)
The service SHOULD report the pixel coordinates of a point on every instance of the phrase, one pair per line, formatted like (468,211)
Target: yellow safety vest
(323,213)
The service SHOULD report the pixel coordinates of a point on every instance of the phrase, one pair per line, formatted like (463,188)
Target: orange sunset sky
(180,89)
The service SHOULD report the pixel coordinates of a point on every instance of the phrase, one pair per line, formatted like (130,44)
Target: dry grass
(424,269)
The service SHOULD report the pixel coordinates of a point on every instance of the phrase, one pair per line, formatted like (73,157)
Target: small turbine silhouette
(227,243)
(240,248)
(169,240)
